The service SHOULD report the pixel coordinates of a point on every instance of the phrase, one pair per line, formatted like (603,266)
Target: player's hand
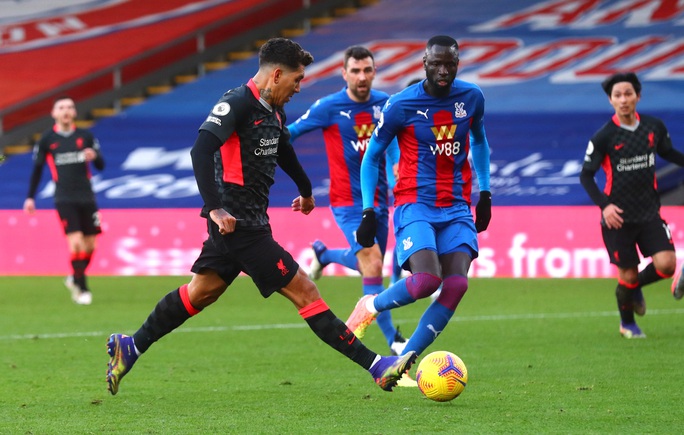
(365,233)
(304,205)
(89,154)
(483,211)
(29,206)
(611,216)
(224,220)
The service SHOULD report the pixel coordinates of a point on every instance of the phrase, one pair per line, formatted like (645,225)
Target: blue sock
(431,324)
(345,257)
(372,286)
(396,295)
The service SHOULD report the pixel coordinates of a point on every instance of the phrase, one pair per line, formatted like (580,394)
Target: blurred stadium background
(145,75)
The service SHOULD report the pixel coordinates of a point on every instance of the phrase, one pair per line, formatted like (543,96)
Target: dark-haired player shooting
(234,159)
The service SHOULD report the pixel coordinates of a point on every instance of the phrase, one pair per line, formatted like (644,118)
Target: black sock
(79,267)
(335,333)
(171,311)
(648,275)
(625,303)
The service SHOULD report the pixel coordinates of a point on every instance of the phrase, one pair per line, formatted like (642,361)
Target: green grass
(544,356)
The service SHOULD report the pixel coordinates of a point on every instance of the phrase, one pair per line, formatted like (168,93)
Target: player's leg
(625,295)
(213,273)
(89,218)
(303,293)
(76,282)
(71,224)
(622,250)
(370,266)
(434,320)
(655,241)
(323,256)
(421,252)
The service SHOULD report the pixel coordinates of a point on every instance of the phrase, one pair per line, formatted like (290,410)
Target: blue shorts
(440,229)
(349,218)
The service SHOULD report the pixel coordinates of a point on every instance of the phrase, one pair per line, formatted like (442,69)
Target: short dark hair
(62,97)
(358,52)
(285,52)
(630,77)
(442,41)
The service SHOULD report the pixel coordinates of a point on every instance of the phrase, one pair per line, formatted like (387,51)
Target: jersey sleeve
(479,145)
(222,120)
(39,155)
(316,117)
(593,157)
(664,147)
(383,135)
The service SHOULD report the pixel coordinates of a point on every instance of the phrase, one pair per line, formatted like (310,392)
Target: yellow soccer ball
(441,376)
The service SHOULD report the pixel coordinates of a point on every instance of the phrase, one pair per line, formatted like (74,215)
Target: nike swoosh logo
(258,121)
(619,146)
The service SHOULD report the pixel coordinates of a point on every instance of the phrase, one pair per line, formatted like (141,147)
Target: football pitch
(544,356)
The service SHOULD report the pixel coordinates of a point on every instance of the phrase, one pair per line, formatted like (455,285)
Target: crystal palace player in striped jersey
(234,158)
(348,118)
(625,147)
(68,150)
(436,122)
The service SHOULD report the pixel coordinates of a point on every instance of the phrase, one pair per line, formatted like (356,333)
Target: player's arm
(666,150)
(202,154)
(38,162)
(375,152)
(592,161)
(314,118)
(392,163)
(289,163)
(98,160)
(479,148)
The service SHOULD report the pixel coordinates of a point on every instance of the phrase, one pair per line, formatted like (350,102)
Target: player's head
(281,66)
(624,91)
(358,71)
(626,77)
(440,62)
(64,110)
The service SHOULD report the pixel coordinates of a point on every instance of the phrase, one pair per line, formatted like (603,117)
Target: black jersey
(628,159)
(63,153)
(251,133)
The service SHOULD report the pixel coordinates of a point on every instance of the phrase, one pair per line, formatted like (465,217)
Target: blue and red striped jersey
(434,136)
(347,127)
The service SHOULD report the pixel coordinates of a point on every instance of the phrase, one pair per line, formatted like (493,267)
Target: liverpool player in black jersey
(234,159)
(68,151)
(625,147)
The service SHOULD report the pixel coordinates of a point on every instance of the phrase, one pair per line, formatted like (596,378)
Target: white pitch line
(494,317)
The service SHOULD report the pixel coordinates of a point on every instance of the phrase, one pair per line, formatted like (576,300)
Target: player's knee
(453,289)
(667,270)
(665,263)
(204,292)
(422,284)
(371,267)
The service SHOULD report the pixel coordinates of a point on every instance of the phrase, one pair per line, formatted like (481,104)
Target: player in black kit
(68,150)
(234,159)
(625,147)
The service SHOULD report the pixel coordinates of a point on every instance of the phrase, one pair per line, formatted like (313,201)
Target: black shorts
(651,237)
(249,250)
(79,217)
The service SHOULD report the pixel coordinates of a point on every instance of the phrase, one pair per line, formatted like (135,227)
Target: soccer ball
(441,376)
